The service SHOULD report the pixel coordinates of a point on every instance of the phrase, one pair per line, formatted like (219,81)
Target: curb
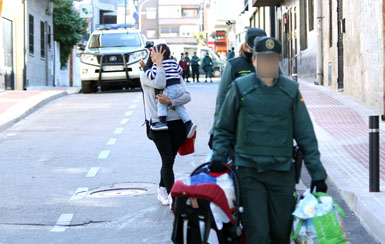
(32,109)
(372,222)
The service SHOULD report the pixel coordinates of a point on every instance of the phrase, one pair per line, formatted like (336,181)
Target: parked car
(111,58)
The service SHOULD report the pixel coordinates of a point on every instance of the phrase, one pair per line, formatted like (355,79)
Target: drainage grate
(124,189)
(116,192)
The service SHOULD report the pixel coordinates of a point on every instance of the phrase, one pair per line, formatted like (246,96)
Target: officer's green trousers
(268,199)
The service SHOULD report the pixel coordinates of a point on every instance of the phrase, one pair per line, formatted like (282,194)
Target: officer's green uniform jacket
(207,61)
(236,67)
(262,122)
(195,61)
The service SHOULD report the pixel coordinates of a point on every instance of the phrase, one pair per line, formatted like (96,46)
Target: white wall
(36,65)
(62,76)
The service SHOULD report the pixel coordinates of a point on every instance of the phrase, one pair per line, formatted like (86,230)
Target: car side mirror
(149,44)
(81,47)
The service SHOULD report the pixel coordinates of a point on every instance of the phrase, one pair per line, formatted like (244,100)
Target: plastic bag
(318,220)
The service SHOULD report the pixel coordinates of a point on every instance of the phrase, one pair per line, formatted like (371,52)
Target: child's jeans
(172,92)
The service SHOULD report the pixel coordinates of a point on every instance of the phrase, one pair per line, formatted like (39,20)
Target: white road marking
(92,172)
(124,121)
(104,154)
(133,106)
(137,101)
(112,141)
(80,193)
(129,113)
(62,223)
(118,130)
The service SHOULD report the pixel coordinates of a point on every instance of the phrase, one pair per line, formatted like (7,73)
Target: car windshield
(115,40)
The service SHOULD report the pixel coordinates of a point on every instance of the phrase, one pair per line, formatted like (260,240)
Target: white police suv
(111,58)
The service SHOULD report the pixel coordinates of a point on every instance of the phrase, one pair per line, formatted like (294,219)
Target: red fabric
(183,64)
(188,146)
(206,191)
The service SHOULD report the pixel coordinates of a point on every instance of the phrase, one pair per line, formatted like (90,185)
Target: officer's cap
(267,45)
(253,33)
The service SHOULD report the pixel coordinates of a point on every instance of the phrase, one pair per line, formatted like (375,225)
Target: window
(169,30)
(151,13)
(114,40)
(42,39)
(188,30)
(311,14)
(330,24)
(189,12)
(49,37)
(30,35)
(151,34)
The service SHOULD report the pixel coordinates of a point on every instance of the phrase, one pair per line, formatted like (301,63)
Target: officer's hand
(211,141)
(217,166)
(320,186)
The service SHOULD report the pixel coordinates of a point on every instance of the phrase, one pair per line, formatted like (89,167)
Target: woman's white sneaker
(162,195)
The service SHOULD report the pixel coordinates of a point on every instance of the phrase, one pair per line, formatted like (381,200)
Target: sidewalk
(16,105)
(341,124)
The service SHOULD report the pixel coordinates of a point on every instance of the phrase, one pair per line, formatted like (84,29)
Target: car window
(203,54)
(115,40)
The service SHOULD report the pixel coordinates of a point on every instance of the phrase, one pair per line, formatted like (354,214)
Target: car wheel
(94,87)
(217,73)
(87,87)
(105,88)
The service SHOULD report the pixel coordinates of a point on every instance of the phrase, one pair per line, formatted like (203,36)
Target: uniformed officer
(195,67)
(262,113)
(235,68)
(187,58)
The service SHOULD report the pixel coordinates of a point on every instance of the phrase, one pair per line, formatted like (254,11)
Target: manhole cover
(131,191)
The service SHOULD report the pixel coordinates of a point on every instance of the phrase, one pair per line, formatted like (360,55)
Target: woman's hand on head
(157,56)
(163,99)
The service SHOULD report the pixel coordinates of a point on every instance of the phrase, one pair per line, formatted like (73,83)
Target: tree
(68,28)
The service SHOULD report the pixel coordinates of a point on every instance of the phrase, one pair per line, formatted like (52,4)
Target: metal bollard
(374,154)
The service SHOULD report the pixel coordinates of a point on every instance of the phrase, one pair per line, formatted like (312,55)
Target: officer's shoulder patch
(289,86)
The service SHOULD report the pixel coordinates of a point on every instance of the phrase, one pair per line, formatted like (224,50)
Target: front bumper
(89,72)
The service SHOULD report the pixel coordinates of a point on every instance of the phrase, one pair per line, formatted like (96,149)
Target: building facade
(27,44)
(179,20)
(149,21)
(12,58)
(335,43)
(39,43)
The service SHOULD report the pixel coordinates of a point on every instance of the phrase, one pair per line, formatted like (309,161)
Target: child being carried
(174,89)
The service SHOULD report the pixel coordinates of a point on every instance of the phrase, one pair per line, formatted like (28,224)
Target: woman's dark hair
(149,62)
(165,48)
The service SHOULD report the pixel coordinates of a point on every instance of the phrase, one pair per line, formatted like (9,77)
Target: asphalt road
(63,166)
